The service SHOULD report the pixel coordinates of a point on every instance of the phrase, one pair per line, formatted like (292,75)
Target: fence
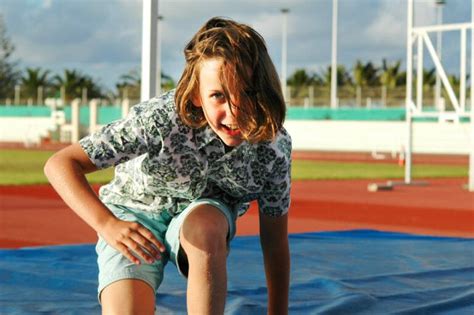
(362,96)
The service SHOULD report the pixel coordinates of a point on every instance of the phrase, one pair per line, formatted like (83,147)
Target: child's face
(215,105)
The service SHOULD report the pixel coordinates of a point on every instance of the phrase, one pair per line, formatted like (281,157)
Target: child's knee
(205,230)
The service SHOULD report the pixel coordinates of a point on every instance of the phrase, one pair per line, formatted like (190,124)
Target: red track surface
(35,215)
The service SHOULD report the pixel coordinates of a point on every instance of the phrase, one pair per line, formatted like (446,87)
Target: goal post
(418,35)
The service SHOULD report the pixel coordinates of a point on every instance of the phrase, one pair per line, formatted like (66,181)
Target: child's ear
(196,101)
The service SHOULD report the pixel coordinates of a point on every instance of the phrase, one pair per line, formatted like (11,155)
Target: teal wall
(107,114)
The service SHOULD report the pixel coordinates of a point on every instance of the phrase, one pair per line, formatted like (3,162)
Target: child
(187,165)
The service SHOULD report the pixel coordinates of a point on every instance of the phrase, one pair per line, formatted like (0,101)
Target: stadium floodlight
(284,44)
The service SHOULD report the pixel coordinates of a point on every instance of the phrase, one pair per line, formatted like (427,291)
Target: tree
(390,74)
(9,75)
(130,84)
(73,82)
(365,75)
(343,76)
(300,79)
(34,78)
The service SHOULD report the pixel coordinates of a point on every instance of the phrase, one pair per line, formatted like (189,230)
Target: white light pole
(471,152)
(158,56)
(149,28)
(408,100)
(439,38)
(284,52)
(334,56)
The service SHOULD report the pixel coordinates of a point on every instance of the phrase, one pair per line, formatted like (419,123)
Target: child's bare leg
(128,297)
(203,238)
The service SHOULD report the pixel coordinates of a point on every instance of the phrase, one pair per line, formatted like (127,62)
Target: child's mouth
(231,130)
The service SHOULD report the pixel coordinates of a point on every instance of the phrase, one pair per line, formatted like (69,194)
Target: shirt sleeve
(275,197)
(124,139)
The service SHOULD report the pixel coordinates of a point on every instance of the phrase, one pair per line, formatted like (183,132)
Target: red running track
(35,215)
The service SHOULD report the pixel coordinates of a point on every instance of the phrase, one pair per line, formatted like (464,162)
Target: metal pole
(284,45)
(158,58)
(439,39)
(462,72)
(471,151)
(75,122)
(419,75)
(334,56)
(93,107)
(408,101)
(149,28)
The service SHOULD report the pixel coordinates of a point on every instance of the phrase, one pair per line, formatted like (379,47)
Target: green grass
(22,167)
(344,170)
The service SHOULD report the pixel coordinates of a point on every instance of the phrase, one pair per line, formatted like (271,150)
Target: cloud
(104,36)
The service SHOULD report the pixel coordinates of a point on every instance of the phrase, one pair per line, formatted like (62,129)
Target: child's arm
(276,254)
(66,171)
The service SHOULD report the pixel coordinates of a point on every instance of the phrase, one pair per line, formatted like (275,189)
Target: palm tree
(129,86)
(73,82)
(299,80)
(365,75)
(343,77)
(32,80)
(390,74)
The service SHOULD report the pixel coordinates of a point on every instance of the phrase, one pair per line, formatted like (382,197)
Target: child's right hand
(131,238)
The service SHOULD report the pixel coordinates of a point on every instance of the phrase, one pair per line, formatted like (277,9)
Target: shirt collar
(207,136)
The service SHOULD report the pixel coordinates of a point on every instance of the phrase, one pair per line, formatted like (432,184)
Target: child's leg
(128,296)
(124,287)
(203,237)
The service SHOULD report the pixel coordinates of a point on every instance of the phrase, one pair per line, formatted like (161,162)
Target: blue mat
(356,272)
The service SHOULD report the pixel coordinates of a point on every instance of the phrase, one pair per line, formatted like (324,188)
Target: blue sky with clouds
(102,38)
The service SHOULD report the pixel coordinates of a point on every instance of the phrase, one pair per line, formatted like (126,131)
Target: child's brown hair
(247,73)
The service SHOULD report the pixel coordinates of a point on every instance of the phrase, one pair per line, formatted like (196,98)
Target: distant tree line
(73,82)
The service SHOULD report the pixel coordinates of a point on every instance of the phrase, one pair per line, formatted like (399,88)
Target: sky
(102,38)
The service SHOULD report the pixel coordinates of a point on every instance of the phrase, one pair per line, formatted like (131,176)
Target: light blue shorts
(113,266)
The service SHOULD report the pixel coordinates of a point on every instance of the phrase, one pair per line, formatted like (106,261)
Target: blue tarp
(355,272)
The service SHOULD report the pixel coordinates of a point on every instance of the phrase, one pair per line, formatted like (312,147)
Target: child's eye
(218,96)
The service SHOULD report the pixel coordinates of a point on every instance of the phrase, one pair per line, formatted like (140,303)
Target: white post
(439,38)
(471,151)
(311,95)
(125,107)
(419,75)
(39,96)
(368,103)
(334,56)
(359,96)
(149,27)
(284,44)
(384,96)
(93,115)
(462,72)
(62,93)
(408,146)
(17,94)
(75,120)
(84,96)
(158,56)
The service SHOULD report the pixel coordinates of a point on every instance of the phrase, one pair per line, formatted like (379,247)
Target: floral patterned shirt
(162,164)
